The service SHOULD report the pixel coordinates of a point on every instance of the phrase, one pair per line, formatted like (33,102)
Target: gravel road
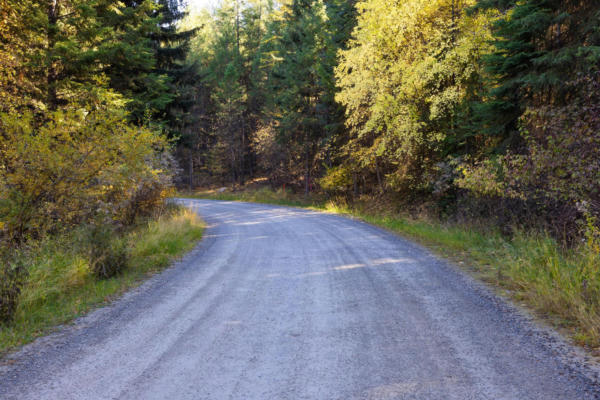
(282,303)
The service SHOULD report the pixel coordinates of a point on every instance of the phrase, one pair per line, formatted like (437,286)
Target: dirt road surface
(282,303)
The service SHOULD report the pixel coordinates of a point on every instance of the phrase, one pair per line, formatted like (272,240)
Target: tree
(79,41)
(132,68)
(406,80)
(171,47)
(86,52)
(67,151)
(15,85)
(301,81)
(230,93)
(538,44)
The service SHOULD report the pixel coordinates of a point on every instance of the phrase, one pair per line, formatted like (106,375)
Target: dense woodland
(479,109)
(482,108)
(471,105)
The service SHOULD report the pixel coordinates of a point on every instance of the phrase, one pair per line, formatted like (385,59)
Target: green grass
(561,285)
(60,285)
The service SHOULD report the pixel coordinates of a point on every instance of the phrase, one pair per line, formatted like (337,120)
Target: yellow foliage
(337,179)
(76,167)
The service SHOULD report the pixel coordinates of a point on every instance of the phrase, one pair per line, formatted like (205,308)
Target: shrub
(149,196)
(73,168)
(337,180)
(107,252)
(12,278)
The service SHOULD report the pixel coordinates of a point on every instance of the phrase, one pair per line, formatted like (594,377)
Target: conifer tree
(301,83)
(229,92)
(171,47)
(538,45)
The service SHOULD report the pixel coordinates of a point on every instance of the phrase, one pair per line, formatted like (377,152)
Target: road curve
(281,303)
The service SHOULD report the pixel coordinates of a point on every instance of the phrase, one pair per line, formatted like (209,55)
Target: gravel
(283,303)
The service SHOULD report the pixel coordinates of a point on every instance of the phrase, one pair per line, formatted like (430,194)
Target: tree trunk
(307,174)
(191,170)
(237,27)
(233,166)
(242,153)
(379,182)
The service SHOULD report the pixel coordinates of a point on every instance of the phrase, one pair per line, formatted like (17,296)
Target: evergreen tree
(301,82)
(538,45)
(229,92)
(171,47)
(132,71)
(78,42)
(91,51)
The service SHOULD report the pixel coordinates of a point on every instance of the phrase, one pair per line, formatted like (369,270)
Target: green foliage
(74,43)
(267,70)
(107,253)
(337,179)
(229,95)
(420,98)
(131,64)
(70,70)
(61,284)
(538,43)
(301,80)
(171,45)
(558,170)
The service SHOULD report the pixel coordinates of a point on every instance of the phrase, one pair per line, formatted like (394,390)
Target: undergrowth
(62,281)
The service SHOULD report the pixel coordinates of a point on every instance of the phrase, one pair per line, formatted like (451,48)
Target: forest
(484,109)
(466,110)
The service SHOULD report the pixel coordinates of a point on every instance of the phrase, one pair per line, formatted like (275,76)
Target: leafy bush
(337,179)
(12,276)
(148,197)
(107,252)
(76,167)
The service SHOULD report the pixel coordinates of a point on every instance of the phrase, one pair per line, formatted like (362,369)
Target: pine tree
(77,43)
(90,52)
(538,45)
(171,47)
(229,92)
(132,71)
(301,82)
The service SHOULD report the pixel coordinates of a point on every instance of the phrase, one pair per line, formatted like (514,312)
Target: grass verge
(60,285)
(561,285)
